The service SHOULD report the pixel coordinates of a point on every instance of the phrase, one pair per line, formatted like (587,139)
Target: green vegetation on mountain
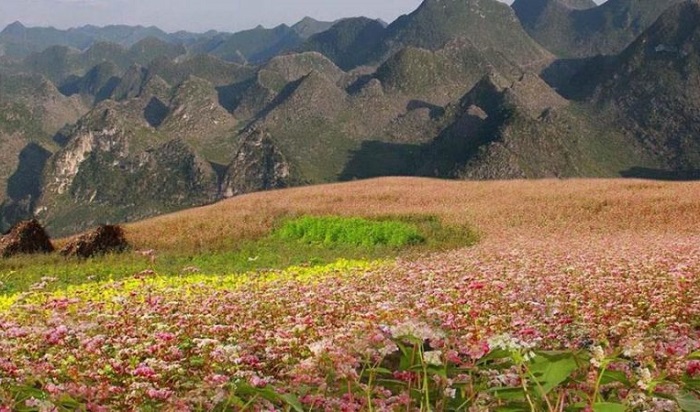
(486,24)
(653,87)
(61,64)
(98,83)
(211,68)
(115,168)
(350,42)
(150,48)
(195,116)
(31,112)
(524,129)
(587,31)
(253,46)
(443,75)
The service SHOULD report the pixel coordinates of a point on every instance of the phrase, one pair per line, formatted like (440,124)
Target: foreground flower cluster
(618,315)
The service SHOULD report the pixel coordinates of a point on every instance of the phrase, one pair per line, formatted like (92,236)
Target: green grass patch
(350,231)
(302,241)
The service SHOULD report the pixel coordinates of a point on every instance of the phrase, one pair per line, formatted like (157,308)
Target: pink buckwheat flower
(693,368)
(144,371)
(159,394)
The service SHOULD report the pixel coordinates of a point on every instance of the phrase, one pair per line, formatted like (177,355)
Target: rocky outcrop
(523,129)
(653,87)
(195,116)
(113,169)
(293,67)
(100,131)
(258,165)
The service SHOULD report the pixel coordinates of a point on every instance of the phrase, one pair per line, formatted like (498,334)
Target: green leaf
(407,356)
(234,400)
(391,382)
(268,394)
(692,383)
(437,370)
(664,396)
(495,355)
(292,401)
(688,403)
(608,407)
(22,393)
(694,355)
(551,369)
(614,376)
(513,407)
(383,371)
(68,403)
(576,407)
(509,394)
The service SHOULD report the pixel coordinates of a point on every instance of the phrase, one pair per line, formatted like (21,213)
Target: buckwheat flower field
(596,311)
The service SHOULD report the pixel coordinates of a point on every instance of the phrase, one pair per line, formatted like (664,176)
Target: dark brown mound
(26,237)
(104,239)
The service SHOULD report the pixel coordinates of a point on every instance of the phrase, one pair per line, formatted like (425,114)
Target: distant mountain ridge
(18,41)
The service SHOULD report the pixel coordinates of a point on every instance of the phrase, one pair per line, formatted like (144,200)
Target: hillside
(578,29)
(117,168)
(349,43)
(488,24)
(32,111)
(524,129)
(654,87)
(250,46)
(594,206)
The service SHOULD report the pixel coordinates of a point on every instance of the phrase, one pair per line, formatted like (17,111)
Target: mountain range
(107,125)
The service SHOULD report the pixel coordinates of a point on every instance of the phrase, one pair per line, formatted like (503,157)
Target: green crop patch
(350,231)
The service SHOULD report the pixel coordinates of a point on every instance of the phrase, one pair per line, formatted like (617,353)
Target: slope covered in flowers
(309,337)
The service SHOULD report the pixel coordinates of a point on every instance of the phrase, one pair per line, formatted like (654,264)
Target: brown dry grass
(544,208)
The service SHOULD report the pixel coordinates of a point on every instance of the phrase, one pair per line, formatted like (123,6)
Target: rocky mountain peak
(258,164)
(489,24)
(14,29)
(308,26)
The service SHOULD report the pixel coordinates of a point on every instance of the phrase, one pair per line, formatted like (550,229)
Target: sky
(194,15)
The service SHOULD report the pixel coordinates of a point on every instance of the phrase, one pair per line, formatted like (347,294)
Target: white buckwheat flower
(433,358)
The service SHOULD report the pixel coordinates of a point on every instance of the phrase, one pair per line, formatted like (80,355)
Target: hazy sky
(194,15)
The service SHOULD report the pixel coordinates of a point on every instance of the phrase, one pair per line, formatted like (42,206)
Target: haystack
(104,239)
(27,237)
